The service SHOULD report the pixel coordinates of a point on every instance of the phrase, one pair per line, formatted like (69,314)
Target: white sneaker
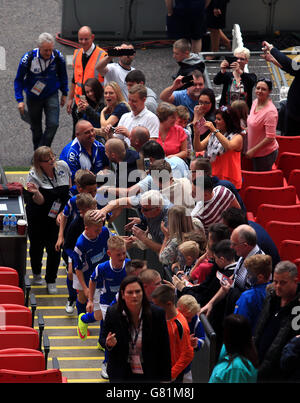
(70,307)
(103,370)
(37,279)
(52,288)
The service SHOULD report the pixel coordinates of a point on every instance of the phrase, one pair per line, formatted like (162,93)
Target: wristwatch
(216,131)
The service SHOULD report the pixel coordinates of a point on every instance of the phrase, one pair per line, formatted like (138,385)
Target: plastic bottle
(6,223)
(13,224)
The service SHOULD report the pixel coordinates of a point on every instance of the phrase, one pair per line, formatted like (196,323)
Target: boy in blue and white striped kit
(89,251)
(104,284)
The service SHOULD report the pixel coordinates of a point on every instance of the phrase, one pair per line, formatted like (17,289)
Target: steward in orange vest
(80,74)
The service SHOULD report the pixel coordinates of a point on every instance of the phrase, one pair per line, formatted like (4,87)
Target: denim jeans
(50,107)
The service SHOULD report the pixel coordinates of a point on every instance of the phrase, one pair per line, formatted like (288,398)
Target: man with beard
(188,97)
(117,71)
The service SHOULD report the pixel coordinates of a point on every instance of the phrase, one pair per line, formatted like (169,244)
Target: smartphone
(112,129)
(201,122)
(231,59)
(224,280)
(187,79)
(82,97)
(146,164)
(120,52)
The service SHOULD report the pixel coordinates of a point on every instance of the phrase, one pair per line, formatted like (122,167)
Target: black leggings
(44,237)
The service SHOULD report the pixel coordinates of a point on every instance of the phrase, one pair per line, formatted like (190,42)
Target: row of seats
(21,357)
(272,198)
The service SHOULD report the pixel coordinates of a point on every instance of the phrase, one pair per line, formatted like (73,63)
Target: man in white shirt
(139,115)
(117,71)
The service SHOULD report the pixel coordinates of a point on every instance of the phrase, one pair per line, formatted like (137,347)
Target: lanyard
(133,342)
(49,180)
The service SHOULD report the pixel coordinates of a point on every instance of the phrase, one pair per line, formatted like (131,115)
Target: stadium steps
(80,361)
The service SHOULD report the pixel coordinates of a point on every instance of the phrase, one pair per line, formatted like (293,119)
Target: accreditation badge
(38,88)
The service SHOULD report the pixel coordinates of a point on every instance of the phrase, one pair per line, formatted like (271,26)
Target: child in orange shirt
(182,352)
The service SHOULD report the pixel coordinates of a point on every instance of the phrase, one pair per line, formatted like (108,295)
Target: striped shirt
(209,212)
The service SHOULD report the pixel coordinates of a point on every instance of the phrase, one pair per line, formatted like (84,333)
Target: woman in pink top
(261,123)
(172,138)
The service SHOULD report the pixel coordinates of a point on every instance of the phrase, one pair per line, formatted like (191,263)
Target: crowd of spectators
(171,167)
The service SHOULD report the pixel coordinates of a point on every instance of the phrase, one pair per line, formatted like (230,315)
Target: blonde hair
(259,264)
(85,201)
(40,155)
(89,219)
(189,303)
(182,112)
(116,242)
(242,50)
(120,97)
(179,222)
(189,248)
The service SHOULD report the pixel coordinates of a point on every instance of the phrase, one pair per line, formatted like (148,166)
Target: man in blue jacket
(41,73)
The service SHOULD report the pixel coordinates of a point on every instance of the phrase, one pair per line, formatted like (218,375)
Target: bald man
(125,161)
(84,63)
(85,152)
(139,135)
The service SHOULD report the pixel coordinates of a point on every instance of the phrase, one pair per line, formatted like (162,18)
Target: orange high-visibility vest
(90,71)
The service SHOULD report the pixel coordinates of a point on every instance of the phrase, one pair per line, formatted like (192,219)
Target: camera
(187,79)
(120,52)
(112,129)
(231,59)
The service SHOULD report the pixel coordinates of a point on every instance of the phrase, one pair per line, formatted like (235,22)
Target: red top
(201,271)
(227,166)
(175,137)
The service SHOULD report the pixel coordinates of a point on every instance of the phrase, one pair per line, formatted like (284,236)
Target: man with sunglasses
(237,83)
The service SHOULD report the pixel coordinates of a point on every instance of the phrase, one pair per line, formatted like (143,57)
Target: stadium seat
(270,179)
(9,276)
(18,315)
(294,180)
(273,212)
(289,144)
(34,362)
(18,336)
(47,376)
(289,250)
(255,196)
(280,231)
(10,294)
(22,359)
(297,263)
(287,162)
